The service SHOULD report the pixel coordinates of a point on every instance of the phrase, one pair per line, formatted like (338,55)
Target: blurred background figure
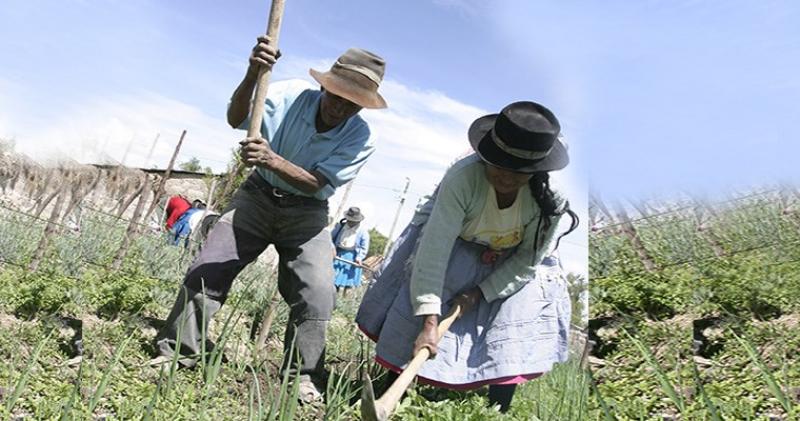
(351,240)
(176,206)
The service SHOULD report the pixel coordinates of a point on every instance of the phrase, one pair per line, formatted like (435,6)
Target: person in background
(351,240)
(188,220)
(481,242)
(176,206)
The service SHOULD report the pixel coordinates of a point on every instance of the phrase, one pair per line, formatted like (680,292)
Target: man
(315,142)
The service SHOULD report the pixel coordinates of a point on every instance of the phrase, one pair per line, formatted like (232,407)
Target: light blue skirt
(347,275)
(516,337)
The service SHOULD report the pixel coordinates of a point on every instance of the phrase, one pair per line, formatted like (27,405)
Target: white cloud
(100,129)
(421,133)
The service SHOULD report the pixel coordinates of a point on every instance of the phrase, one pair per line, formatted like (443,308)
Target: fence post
(126,202)
(630,231)
(701,209)
(160,189)
(130,233)
(50,229)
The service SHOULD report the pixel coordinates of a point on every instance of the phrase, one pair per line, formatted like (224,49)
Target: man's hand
(428,337)
(468,299)
(255,151)
(264,54)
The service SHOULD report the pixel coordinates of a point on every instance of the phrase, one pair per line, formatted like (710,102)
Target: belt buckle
(276,193)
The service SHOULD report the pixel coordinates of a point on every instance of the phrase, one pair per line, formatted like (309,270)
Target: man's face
(334,109)
(352,223)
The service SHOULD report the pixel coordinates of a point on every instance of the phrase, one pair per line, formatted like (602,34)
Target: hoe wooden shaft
(372,410)
(257,110)
(262,83)
(256,117)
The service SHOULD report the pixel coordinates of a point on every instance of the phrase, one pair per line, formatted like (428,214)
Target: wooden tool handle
(395,392)
(257,110)
(352,263)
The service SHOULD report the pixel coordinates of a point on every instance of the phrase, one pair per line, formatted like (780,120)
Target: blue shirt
(289,114)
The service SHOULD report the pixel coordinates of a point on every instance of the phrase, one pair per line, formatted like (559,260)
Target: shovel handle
(395,391)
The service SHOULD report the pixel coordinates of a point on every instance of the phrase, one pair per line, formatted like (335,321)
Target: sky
(654,97)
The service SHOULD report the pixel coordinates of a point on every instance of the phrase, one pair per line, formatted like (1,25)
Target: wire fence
(93,241)
(756,222)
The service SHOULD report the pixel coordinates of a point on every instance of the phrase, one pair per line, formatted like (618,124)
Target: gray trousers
(305,274)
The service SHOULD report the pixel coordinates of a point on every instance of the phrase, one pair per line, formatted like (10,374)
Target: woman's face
(505,181)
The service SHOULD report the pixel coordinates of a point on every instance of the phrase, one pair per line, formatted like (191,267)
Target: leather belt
(283,198)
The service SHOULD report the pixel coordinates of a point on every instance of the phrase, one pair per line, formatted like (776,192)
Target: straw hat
(355,76)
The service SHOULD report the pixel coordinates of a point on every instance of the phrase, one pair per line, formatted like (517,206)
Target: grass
(120,313)
(703,336)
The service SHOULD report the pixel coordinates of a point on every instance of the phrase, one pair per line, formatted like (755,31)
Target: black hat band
(517,152)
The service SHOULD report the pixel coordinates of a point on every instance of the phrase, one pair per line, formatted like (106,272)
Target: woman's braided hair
(546,200)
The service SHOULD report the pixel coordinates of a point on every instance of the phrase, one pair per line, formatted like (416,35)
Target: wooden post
(396,216)
(79,194)
(703,212)
(163,182)
(630,231)
(267,319)
(130,233)
(43,203)
(126,202)
(150,152)
(600,206)
(342,203)
(50,229)
(127,150)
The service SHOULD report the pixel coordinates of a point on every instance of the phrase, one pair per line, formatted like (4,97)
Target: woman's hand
(468,299)
(428,337)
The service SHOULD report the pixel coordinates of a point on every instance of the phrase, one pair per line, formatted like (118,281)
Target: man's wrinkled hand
(264,54)
(255,151)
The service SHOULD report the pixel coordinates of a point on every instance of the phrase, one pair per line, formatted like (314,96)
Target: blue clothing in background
(182,229)
(289,126)
(346,274)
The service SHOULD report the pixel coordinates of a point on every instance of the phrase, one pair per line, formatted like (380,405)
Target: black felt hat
(523,137)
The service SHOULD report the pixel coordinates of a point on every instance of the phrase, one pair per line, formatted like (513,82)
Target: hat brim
(357,218)
(348,90)
(489,152)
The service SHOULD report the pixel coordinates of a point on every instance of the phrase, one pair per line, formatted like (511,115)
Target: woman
(480,241)
(352,243)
